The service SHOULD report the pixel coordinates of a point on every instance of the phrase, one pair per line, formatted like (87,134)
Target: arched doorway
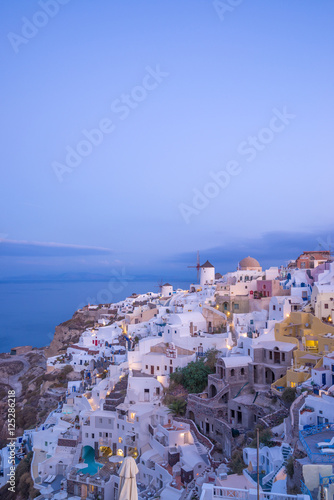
(191,415)
(270,376)
(212,391)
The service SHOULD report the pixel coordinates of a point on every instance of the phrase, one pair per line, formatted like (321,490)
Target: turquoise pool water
(89,458)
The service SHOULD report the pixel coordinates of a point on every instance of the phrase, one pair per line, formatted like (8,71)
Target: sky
(135,133)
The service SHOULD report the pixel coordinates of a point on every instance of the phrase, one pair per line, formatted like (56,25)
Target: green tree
(195,376)
(211,359)
(265,438)
(289,395)
(176,377)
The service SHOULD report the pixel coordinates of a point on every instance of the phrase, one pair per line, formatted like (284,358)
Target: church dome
(249,263)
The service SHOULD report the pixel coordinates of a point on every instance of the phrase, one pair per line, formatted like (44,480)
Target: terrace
(312,436)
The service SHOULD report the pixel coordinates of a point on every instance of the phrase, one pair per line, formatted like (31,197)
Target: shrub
(289,395)
(237,464)
(265,438)
(178,407)
(211,359)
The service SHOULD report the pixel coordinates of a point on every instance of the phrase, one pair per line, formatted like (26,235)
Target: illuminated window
(120,440)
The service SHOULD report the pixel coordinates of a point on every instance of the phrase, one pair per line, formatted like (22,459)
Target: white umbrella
(127,484)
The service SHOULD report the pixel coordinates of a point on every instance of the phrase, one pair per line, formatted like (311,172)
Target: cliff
(68,333)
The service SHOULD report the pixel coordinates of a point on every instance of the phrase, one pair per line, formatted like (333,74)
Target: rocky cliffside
(68,333)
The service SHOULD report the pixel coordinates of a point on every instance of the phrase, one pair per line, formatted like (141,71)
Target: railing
(225,492)
(221,491)
(269,476)
(305,490)
(326,480)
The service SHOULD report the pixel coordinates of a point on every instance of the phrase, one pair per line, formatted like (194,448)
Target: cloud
(12,248)
(271,249)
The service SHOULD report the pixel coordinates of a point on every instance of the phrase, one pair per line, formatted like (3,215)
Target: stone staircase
(267,481)
(201,449)
(117,396)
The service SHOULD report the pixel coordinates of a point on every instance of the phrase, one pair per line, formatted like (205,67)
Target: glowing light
(120,452)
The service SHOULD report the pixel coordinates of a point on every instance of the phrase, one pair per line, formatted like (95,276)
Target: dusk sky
(215,133)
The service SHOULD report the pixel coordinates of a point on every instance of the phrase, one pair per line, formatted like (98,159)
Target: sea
(30,311)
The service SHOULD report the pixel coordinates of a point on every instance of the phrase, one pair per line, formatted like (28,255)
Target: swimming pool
(88,456)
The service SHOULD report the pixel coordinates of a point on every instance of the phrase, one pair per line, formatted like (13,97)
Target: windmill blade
(198,265)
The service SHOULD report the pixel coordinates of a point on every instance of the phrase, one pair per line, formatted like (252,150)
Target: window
(236,306)
(232,413)
(270,355)
(146,367)
(100,434)
(283,356)
(232,372)
(86,435)
(274,308)
(93,435)
(166,366)
(242,371)
(248,352)
(326,306)
(171,362)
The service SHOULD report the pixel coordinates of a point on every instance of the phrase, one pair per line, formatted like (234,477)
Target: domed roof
(248,262)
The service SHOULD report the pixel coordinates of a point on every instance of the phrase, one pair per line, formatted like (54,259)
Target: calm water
(29,312)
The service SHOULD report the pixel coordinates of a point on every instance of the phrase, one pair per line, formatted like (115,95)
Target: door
(152,370)
(323,378)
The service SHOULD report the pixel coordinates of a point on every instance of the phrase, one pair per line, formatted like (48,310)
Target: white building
(316,411)
(167,290)
(207,274)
